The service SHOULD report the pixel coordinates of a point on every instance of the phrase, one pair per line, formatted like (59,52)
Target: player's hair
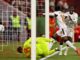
(71,8)
(19,49)
(62,9)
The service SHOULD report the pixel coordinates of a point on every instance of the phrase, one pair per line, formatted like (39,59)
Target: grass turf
(9,53)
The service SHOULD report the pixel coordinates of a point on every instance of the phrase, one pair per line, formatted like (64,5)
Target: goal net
(12,37)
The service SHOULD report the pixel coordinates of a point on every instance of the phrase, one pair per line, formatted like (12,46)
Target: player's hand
(55,15)
(57,49)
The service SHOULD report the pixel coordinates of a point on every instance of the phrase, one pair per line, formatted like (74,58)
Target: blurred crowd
(25,7)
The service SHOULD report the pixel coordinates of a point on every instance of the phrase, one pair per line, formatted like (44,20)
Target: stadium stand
(6,10)
(40,8)
(22,5)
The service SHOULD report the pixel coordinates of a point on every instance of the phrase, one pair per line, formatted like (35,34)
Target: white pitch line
(52,54)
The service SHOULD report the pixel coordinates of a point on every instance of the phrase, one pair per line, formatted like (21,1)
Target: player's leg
(65,33)
(51,43)
(70,44)
(47,51)
(58,33)
(66,50)
(60,47)
(70,38)
(54,37)
(60,44)
(39,51)
(61,33)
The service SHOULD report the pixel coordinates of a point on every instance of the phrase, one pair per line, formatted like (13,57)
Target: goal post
(47,18)
(33,29)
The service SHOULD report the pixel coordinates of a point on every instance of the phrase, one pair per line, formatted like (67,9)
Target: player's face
(71,11)
(14,13)
(63,10)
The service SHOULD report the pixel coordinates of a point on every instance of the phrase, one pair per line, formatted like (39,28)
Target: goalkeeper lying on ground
(42,48)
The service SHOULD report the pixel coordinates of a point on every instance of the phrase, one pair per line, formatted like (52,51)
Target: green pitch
(9,53)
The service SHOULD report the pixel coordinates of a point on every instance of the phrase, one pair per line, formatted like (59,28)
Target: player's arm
(52,14)
(76,19)
(48,40)
(27,48)
(27,43)
(27,52)
(71,20)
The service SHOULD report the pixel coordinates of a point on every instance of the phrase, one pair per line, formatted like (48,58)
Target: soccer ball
(1,28)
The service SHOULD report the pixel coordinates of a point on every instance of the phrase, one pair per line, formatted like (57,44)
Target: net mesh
(10,34)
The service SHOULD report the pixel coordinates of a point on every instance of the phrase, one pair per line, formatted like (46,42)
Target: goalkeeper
(42,48)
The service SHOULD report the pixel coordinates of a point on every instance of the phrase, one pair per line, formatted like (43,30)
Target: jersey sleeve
(51,14)
(76,18)
(27,43)
(48,40)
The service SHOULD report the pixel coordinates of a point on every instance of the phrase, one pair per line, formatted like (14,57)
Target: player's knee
(61,43)
(55,37)
(70,39)
(65,38)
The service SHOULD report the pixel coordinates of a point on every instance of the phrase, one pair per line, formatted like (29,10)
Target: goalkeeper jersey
(41,45)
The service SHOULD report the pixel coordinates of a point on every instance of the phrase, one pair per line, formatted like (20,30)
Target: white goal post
(33,29)
(47,18)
